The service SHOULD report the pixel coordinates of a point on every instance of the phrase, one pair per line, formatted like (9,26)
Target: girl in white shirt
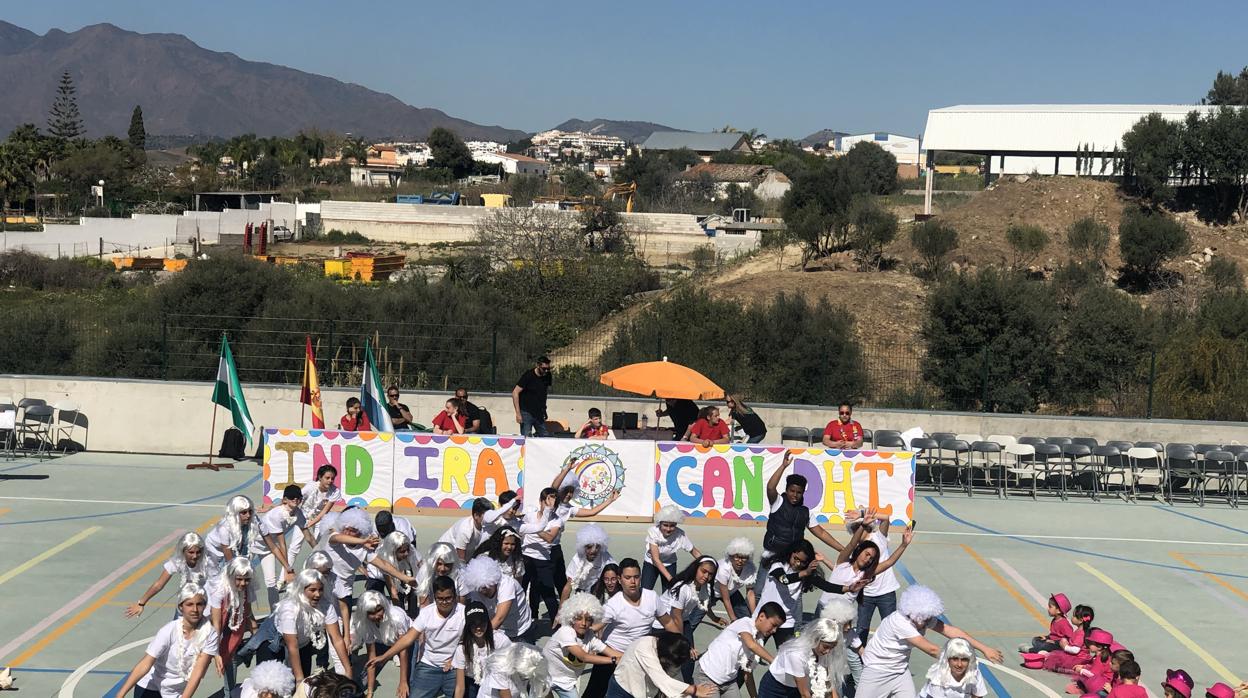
(808,666)
(177,658)
(478,642)
(881,590)
(591,556)
(233,534)
(540,566)
(663,541)
(377,626)
(396,550)
(440,562)
(955,674)
(503,547)
(575,645)
(734,582)
(687,602)
(519,671)
(307,622)
(270,679)
(188,562)
(229,610)
(319,497)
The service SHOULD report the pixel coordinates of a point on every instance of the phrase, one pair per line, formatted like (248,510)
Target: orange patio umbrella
(662,379)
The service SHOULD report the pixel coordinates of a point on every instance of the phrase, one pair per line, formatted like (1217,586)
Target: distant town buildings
(514,163)
(766,182)
(556,145)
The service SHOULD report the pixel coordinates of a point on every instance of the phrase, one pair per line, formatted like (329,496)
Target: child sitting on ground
(1074,651)
(1061,632)
(1129,682)
(1096,674)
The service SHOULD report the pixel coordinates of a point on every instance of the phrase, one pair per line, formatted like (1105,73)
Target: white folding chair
(1021,464)
(1003,439)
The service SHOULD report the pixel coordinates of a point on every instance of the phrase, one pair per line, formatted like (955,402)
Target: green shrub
(872,228)
(933,241)
(1088,240)
(1027,242)
(337,237)
(1147,240)
(1224,275)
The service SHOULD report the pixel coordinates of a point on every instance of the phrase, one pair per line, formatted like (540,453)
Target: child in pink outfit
(1128,682)
(1073,652)
(1098,672)
(1061,632)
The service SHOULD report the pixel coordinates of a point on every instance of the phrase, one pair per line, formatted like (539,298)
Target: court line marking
(1215,593)
(109,501)
(79,517)
(4,510)
(71,682)
(1041,600)
(1193,517)
(1081,553)
(1084,538)
(1044,690)
(993,682)
(68,543)
(1215,578)
(46,670)
(96,605)
(1166,625)
(996,577)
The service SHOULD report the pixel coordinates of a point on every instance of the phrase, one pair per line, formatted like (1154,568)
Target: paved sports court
(82,536)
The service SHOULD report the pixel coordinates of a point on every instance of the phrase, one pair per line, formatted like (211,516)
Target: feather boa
(186,651)
(819,677)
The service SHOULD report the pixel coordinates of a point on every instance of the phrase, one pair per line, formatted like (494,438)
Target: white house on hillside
(515,164)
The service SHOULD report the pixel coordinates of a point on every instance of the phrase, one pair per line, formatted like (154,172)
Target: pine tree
(137,134)
(64,121)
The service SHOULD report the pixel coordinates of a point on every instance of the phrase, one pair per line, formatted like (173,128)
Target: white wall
(174,416)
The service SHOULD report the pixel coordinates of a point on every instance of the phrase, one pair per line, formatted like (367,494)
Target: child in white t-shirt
(809,661)
(575,645)
(955,674)
(476,645)
(520,670)
(663,541)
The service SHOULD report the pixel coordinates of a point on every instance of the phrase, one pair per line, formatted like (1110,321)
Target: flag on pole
(310,392)
(228,392)
(371,394)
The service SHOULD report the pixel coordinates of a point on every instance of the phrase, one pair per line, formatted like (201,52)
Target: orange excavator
(629,190)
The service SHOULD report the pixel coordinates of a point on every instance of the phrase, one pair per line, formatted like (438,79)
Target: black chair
(795,434)
(816,435)
(1219,467)
(1107,460)
(923,448)
(1086,441)
(1032,440)
(958,447)
(985,450)
(1181,466)
(884,434)
(1059,440)
(1155,445)
(891,440)
(1071,453)
(868,437)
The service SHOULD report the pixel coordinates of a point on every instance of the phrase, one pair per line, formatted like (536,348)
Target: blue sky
(787,69)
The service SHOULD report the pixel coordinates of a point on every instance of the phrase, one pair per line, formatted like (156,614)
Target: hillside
(185,89)
(632,131)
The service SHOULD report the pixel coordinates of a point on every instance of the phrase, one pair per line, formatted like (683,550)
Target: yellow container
(496,200)
(338,267)
(175,264)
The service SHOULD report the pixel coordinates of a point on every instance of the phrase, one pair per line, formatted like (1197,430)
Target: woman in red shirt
(451,420)
(355,419)
(709,429)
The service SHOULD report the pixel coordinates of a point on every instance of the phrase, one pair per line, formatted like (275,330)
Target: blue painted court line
(1087,553)
(17,467)
(134,511)
(112,692)
(44,670)
(993,682)
(1193,517)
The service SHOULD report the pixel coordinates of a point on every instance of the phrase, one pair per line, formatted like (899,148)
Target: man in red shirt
(709,429)
(843,432)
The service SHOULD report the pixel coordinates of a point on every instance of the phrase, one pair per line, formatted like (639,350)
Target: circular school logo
(599,474)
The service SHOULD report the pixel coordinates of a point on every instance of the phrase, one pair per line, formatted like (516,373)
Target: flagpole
(211,440)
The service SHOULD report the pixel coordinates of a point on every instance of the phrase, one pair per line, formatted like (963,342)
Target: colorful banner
(365,462)
(730,481)
(450,471)
(601,468)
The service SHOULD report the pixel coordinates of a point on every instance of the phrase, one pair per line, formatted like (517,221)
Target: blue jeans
(430,682)
(530,425)
(691,622)
(563,692)
(850,687)
(887,603)
(614,690)
(756,439)
(650,573)
(543,586)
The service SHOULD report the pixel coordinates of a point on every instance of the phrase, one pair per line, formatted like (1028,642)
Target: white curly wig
(920,604)
(273,677)
(580,604)
(357,520)
(591,534)
(320,561)
(480,573)
(524,665)
(739,546)
(671,514)
(840,610)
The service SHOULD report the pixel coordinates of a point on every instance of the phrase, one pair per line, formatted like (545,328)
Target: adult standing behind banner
(789,515)
(683,413)
(843,432)
(529,399)
(749,421)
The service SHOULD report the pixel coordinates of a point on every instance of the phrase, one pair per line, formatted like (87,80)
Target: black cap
(292,492)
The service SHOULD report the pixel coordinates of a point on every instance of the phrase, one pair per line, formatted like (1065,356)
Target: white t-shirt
(624,622)
(276,522)
(887,651)
(722,659)
(463,534)
(584,573)
(165,676)
(565,669)
(286,618)
(441,635)
(668,546)
(688,598)
(493,683)
(845,575)
(347,559)
(789,664)
(885,581)
(977,689)
(476,673)
(533,546)
(218,538)
(192,575)
(563,512)
(789,596)
(736,582)
(518,616)
(313,498)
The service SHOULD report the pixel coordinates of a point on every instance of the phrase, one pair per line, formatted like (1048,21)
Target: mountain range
(631,131)
(185,89)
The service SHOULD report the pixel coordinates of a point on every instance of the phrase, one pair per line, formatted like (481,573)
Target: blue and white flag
(371,394)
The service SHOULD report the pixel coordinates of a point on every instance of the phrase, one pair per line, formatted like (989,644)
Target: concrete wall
(142,232)
(173,417)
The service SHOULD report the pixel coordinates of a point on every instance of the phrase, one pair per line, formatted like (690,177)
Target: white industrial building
(904,148)
(1044,139)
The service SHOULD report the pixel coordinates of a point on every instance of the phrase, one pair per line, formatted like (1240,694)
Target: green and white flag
(228,392)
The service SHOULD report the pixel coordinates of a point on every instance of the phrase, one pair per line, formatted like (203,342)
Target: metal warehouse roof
(698,142)
(1039,128)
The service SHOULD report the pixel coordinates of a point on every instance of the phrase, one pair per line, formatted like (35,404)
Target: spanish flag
(310,392)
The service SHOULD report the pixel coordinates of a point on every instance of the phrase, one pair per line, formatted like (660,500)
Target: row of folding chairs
(32,426)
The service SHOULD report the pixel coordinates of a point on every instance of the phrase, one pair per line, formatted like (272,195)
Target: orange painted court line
(1022,600)
(97,604)
(1197,554)
(4,510)
(1212,577)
